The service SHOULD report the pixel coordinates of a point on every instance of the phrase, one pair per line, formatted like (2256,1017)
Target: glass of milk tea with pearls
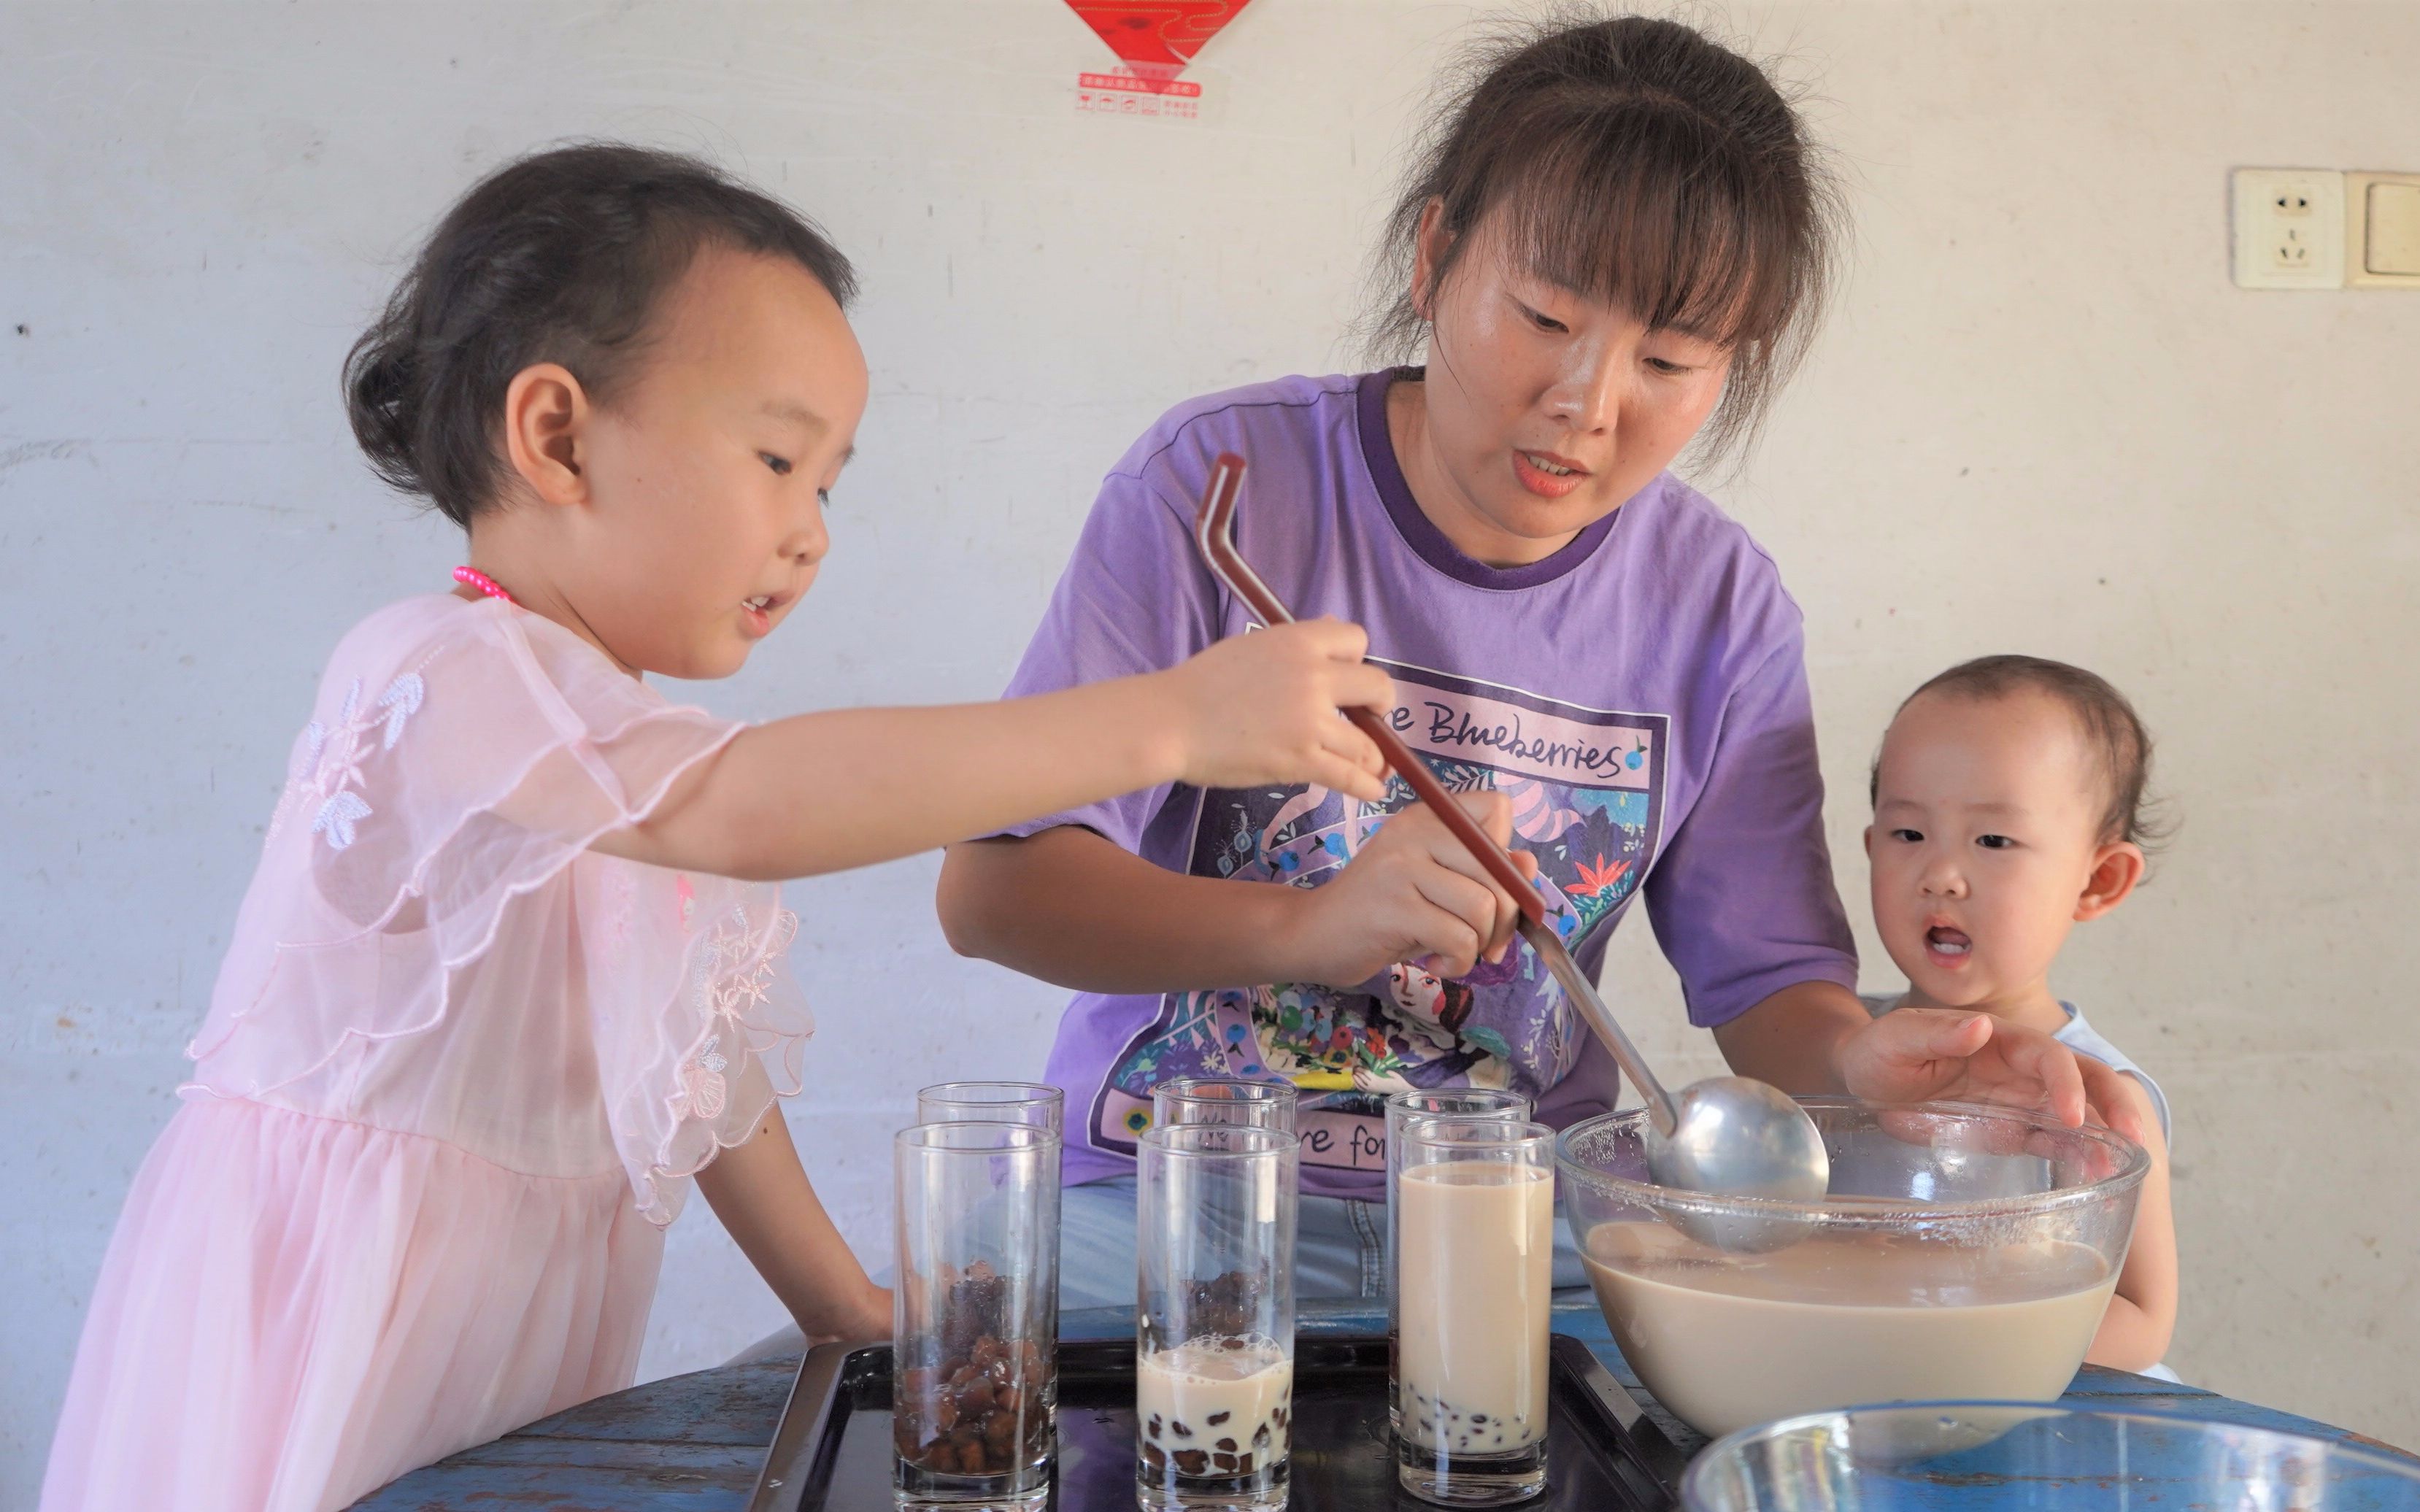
(1436,1103)
(1214,1316)
(1473,1221)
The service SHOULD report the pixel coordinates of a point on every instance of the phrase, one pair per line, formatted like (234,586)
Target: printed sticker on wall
(1155,41)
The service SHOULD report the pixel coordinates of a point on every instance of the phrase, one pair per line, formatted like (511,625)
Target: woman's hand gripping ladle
(1729,1135)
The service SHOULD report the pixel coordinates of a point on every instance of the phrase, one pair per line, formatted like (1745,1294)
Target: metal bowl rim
(2385,1459)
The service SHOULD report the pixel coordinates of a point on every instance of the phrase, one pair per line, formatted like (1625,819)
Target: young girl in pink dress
(510,970)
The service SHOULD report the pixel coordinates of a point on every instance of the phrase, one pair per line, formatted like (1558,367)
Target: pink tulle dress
(456,1072)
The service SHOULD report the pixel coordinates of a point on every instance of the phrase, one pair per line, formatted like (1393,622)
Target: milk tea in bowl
(1962,1252)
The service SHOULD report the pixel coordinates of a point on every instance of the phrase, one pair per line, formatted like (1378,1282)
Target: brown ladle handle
(1214,532)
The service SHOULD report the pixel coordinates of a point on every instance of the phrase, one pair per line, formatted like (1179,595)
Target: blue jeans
(1340,1247)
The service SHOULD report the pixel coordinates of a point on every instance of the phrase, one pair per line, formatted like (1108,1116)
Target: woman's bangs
(1648,217)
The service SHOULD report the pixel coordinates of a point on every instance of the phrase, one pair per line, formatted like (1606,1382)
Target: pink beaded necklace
(473,578)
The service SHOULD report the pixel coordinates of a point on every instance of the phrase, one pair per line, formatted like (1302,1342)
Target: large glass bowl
(1961,1253)
(2009,1457)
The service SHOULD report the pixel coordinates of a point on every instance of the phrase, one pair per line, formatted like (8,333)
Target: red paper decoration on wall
(1157,37)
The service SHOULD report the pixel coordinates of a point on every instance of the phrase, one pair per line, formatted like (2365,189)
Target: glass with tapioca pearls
(974,1315)
(1224,1100)
(1032,1103)
(1215,1208)
(1442,1102)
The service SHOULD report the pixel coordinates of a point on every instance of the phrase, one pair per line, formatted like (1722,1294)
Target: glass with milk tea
(1443,1101)
(1474,1229)
(1214,1316)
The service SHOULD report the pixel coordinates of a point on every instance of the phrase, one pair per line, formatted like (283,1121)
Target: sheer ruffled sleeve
(428,865)
(689,1070)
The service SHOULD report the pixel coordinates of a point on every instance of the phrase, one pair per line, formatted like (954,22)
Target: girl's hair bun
(379,402)
(560,256)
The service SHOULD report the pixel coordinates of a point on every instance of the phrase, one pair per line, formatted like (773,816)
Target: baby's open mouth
(1943,940)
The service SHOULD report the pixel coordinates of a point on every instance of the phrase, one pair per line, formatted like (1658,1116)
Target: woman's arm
(827,792)
(763,1197)
(1072,908)
(1793,1038)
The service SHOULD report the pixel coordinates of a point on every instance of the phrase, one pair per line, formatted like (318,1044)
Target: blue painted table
(694,1442)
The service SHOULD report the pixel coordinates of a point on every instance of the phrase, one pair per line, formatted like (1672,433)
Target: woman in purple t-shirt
(1614,243)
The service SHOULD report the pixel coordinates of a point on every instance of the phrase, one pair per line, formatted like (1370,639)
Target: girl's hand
(1262,708)
(1412,893)
(868,1319)
(1911,1053)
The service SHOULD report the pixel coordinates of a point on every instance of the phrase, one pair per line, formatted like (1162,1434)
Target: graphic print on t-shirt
(1587,788)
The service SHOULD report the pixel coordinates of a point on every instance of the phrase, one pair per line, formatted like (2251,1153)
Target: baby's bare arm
(2142,1318)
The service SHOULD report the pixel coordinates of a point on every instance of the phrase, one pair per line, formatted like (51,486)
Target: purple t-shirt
(1640,695)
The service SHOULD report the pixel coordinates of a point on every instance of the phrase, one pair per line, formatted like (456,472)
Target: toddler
(2009,808)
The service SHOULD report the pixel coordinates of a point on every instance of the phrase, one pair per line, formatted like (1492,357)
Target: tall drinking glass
(1214,1316)
(1474,1226)
(1445,1101)
(974,1315)
(1045,1107)
(1223,1100)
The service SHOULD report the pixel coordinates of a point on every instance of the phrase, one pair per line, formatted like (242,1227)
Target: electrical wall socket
(2290,228)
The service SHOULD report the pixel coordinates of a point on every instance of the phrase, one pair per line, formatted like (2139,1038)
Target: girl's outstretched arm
(827,792)
(762,1195)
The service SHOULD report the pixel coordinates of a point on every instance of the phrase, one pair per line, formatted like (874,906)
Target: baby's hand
(1412,893)
(1262,708)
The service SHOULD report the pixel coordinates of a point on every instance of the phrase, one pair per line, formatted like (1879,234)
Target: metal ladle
(1731,1136)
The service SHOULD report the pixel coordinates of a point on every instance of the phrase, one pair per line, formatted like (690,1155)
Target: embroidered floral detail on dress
(702,1079)
(620,897)
(733,971)
(328,767)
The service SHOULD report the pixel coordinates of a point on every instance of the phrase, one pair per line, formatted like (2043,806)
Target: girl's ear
(2117,868)
(1428,254)
(546,432)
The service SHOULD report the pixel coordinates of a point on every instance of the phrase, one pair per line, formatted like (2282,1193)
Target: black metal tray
(833,1450)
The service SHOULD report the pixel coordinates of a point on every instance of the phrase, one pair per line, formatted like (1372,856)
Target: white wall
(2041,420)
